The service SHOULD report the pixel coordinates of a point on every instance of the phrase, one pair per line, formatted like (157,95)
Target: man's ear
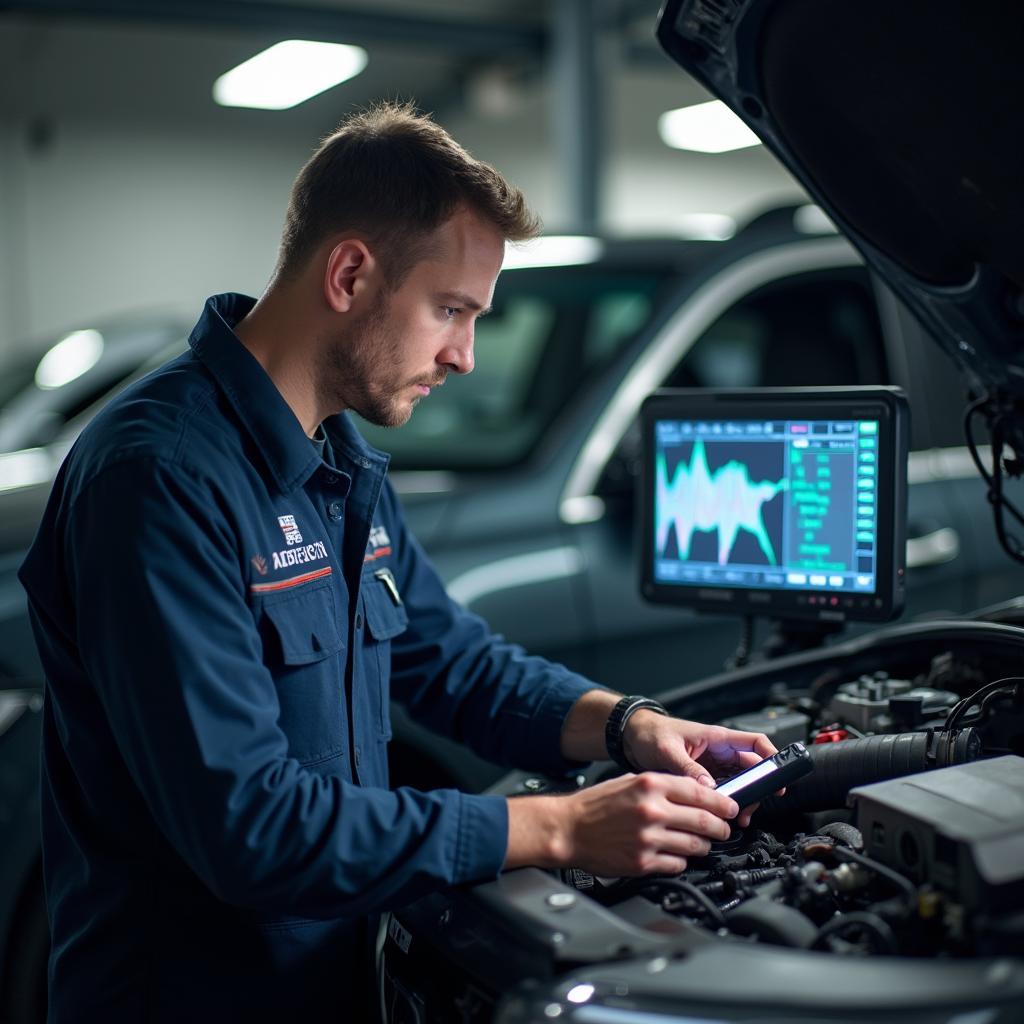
(349,272)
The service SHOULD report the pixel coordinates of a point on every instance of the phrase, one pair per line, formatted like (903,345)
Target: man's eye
(451,311)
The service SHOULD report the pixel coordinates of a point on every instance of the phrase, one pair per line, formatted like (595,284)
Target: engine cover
(960,828)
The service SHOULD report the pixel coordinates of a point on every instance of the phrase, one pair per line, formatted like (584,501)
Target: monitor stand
(791,636)
(787,636)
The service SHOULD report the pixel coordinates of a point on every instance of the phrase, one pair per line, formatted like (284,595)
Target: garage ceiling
(64,60)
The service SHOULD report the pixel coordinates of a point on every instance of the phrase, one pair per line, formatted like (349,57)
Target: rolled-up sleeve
(167,638)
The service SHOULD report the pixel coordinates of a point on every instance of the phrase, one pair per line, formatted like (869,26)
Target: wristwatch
(615,729)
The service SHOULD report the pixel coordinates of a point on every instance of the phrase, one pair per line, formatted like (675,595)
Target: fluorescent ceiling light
(705,128)
(287,74)
(552,251)
(707,227)
(72,356)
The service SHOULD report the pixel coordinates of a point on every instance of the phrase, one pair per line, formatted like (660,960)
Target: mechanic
(224,592)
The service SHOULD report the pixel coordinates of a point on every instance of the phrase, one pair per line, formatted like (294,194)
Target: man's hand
(705,753)
(632,825)
(655,742)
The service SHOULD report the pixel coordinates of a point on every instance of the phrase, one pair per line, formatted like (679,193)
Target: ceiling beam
(577,109)
(450,35)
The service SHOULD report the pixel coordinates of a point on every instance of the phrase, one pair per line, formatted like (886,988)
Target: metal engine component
(875,703)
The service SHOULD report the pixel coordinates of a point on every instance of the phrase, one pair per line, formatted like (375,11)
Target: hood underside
(904,122)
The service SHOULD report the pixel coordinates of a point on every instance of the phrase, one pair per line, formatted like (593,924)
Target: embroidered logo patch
(378,546)
(296,555)
(289,529)
(259,563)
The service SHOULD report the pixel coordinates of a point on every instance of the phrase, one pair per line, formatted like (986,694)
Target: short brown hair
(395,176)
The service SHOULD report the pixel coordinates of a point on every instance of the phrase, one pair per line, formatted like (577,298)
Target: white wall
(123,217)
(13,312)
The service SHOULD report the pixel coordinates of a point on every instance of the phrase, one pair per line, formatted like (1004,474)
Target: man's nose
(458,355)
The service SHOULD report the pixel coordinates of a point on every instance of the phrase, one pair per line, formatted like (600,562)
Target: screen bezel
(887,405)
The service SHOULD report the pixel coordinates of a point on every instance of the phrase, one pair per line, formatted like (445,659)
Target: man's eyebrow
(462,299)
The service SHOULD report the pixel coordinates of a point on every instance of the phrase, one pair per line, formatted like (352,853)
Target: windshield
(551,330)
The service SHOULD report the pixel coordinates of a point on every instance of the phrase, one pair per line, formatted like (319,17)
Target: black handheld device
(773,773)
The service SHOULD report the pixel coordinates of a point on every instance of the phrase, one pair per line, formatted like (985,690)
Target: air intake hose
(839,767)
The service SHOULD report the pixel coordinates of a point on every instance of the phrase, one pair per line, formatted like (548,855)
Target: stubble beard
(361,372)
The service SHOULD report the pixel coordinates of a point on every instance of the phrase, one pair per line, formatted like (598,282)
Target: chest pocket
(386,618)
(302,644)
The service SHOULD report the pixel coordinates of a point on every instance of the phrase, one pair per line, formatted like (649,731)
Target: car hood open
(903,121)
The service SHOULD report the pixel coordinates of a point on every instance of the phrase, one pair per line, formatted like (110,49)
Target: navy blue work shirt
(220,614)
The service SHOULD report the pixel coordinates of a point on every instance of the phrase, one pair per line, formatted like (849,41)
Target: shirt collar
(258,403)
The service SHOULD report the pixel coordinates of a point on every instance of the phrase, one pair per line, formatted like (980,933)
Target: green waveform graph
(695,499)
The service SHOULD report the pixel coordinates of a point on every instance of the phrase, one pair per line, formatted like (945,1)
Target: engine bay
(848,862)
(903,851)
(905,841)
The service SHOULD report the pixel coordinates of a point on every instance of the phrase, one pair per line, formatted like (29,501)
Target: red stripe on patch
(294,581)
(379,553)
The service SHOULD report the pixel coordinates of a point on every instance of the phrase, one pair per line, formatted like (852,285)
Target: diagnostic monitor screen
(787,503)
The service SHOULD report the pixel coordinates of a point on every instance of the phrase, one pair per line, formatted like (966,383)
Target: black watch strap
(615,729)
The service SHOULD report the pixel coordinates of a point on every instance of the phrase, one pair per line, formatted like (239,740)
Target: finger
(663,864)
(684,792)
(696,821)
(680,843)
(729,761)
(746,814)
(685,765)
(747,759)
(745,742)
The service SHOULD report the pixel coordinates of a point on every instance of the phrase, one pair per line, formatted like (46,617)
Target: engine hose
(839,767)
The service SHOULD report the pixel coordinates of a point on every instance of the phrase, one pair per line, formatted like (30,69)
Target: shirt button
(335,510)
(331,478)
(359,620)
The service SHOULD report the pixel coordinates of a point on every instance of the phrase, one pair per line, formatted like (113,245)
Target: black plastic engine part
(773,922)
(779,724)
(961,829)
(844,833)
(838,767)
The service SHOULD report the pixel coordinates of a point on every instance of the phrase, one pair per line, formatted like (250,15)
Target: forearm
(538,831)
(583,731)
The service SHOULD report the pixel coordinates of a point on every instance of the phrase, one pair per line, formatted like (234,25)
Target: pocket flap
(306,624)
(384,618)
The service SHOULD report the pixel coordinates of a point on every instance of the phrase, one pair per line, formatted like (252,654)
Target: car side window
(548,334)
(815,329)
(820,328)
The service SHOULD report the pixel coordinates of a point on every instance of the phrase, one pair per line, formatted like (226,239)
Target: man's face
(393,356)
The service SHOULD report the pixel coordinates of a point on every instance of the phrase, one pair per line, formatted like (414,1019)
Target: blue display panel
(779,504)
